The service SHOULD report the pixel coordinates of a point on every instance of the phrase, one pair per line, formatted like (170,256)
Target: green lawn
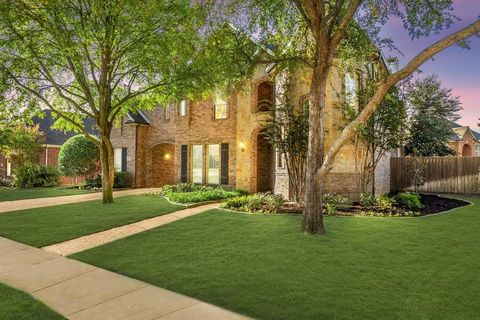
(264,267)
(43,226)
(11,194)
(17,305)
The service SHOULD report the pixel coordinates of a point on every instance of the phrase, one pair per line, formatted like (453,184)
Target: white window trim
(219,165)
(220,99)
(202,157)
(182,108)
(117,159)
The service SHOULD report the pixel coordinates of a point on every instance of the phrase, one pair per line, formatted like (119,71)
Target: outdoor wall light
(242,146)
(167,156)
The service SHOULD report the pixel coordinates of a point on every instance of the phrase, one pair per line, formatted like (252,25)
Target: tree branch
(383,87)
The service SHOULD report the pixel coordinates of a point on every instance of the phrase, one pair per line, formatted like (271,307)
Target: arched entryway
(162,169)
(467,151)
(263,163)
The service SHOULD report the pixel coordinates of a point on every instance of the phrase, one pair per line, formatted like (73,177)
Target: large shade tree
(320,33)
(100,59)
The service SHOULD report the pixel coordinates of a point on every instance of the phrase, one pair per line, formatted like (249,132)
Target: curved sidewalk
(7,206)
(80,291)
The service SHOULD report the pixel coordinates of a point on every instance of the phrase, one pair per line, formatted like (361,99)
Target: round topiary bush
(79,156)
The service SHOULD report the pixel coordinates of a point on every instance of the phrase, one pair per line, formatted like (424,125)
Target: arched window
(265,96)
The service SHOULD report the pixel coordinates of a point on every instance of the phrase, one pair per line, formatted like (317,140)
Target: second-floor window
(220,110)
(265,96)
(182,108)
(351,88)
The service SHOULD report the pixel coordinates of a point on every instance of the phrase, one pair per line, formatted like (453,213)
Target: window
(265,94)
(350,90)
(166,113)
(182,108)
(220,106)
(117,159)
(197,164)
(213,162)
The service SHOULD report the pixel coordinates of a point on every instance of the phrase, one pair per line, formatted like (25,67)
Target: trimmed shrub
(29,176)
(192,193)
(409,200)
(78,156)
(256,203)
(337,201)
(121,180)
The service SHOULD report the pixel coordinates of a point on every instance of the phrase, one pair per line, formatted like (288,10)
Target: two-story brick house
(219,141)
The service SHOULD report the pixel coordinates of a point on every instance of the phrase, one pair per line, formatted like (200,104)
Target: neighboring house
(219,141)
(464,141)
(53,141)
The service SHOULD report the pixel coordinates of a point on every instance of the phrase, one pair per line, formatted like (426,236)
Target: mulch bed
(435,204)
(431,204)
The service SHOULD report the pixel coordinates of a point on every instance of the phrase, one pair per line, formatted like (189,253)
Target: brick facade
(155,150)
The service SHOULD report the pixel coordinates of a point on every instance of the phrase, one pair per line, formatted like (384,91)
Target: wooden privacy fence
(439,174)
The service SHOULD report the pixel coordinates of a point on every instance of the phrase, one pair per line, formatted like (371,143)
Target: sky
(457,68)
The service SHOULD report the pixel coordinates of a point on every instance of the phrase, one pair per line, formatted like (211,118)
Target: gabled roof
(459,131)
(136,117)
(58,137)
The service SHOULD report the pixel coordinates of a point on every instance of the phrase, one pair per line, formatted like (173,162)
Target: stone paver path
(6,206)
(80,291)
(93,240)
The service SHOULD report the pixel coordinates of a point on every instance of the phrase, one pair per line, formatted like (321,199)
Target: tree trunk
(313,212)
(108,170)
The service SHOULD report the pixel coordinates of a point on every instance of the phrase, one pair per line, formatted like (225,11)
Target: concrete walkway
(80,291)
(6,206)
(93,240)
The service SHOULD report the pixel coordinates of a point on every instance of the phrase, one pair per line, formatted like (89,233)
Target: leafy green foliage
(409,200)
(287,132)
(21,144)
(256,203)
(338,201)
(78,156)
(100,60)
(192,193)
(121,180)
(432,109)
(33,175)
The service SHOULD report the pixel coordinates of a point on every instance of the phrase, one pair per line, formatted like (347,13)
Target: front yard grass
(12,194)
(264,267)
(44,226)
(17,305)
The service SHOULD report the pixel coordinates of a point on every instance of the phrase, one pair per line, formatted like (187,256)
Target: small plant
(256,203)
(409,200)
(331,210)
(30,176)
(6,182)
(338,201)
(122,180)
(367,200)
(384,203)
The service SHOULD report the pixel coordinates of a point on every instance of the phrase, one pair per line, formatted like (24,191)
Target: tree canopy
(101,59)
(432,111)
